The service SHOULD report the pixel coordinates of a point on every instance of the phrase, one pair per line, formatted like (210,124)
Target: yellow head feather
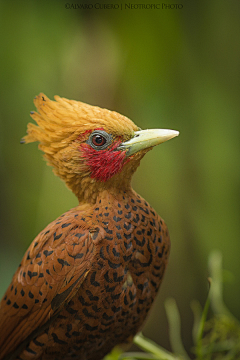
(62,121)
(59,125)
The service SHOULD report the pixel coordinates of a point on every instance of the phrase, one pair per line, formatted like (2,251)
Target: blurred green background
(165,68)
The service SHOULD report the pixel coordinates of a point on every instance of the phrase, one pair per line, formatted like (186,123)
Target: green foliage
(215,339)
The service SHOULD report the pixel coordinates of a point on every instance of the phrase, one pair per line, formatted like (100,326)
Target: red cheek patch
(103,164)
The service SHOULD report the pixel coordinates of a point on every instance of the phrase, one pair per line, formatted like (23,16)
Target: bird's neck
(108,201)
(88,190)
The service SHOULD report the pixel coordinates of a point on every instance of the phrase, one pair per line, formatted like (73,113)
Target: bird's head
(90,148)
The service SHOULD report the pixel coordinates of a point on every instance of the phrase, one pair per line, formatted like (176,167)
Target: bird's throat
(88,188)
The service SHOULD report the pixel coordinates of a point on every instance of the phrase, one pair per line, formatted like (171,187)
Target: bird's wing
(51,272)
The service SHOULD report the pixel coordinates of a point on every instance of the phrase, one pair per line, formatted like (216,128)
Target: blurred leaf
(152,348)
(175,328)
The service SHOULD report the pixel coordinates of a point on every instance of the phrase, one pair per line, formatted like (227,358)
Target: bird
(88,280)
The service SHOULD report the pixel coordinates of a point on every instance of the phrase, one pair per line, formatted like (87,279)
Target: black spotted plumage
(123,275)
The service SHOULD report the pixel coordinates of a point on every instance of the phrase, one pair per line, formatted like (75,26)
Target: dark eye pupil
(98,140)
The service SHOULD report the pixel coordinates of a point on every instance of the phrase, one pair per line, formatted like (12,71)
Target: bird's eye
(98,140)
